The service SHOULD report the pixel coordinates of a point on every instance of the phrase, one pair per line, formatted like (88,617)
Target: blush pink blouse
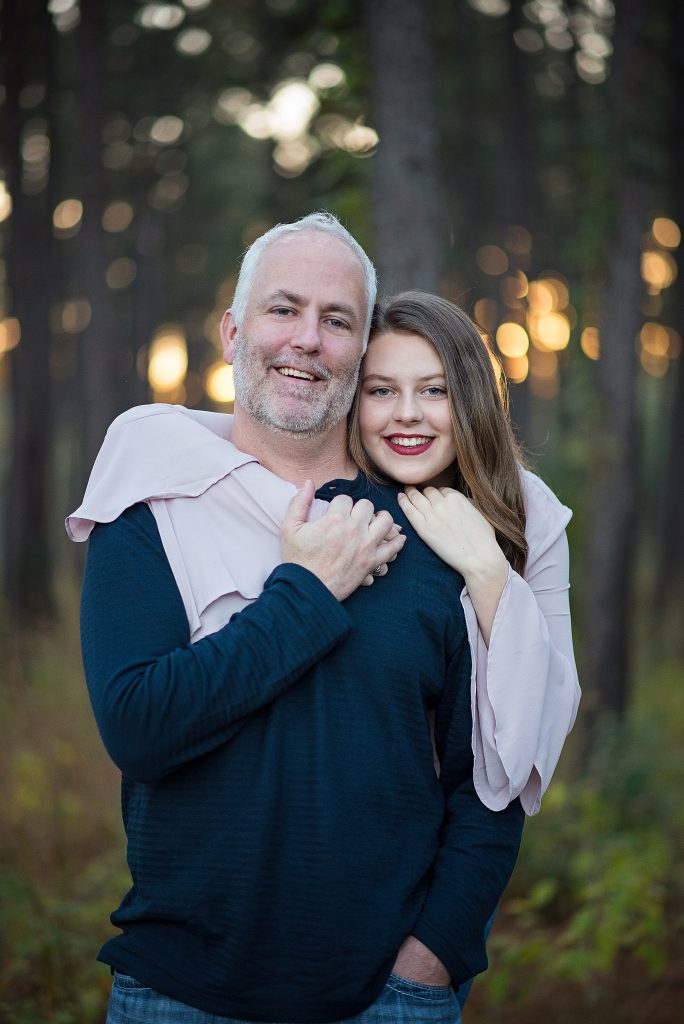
(223,545)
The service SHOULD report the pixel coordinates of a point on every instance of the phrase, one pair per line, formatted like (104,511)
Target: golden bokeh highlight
(117,216)
(73,316)
(512,340)
(541,297)
(675,347)
(654,365)
(121,273)
(167,361)
(516,367)
(219,382)
(590,342)
(654,339)
(513,289)
(486,313)
(5,202)
(492,260)
(551,331)
(658,346)
(658,270)
(518,240)
(10,333)
(666,232)
(559,289)
(67,217)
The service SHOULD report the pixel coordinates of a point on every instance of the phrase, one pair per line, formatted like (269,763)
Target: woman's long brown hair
(488,457)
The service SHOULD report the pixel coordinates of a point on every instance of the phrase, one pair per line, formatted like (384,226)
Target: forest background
(525,160)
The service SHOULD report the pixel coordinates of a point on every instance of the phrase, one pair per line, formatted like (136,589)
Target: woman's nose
(407,409)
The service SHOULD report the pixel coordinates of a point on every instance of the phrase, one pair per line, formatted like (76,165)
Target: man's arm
(160,701)
(476,856)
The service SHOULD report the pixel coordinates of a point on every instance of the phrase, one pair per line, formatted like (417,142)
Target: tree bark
(669,595)
(611,545)
(27,40)
(408,211)
(100,354)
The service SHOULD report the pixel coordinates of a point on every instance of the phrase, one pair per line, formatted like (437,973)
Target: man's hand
(344,546)
(416,962)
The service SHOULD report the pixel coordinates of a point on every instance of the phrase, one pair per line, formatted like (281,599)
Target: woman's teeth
(409,442)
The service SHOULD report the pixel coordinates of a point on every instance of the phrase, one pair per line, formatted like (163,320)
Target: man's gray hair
(321,221)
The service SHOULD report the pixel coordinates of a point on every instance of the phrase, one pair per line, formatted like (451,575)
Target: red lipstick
(401,449)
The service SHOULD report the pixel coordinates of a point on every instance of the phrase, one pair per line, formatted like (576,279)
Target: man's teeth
(288,371)
(409,442)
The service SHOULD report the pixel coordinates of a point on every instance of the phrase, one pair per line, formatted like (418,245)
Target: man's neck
(295,459)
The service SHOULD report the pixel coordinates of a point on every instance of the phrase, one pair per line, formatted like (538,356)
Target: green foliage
(601,876)
(62,868)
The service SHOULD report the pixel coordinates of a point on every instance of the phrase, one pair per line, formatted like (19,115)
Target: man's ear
(228,333)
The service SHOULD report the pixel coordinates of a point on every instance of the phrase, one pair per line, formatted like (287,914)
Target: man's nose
(307,335)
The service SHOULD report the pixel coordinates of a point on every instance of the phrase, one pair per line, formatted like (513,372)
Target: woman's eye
(435,391)
(380,392)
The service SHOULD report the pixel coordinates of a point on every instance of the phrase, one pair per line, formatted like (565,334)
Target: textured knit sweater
(286,829)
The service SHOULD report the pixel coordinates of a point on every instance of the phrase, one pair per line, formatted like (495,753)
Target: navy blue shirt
(286,828)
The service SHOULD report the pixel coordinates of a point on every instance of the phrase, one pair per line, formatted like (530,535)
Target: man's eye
(281,310)
(338,324)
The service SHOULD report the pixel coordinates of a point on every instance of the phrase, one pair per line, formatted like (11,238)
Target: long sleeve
(160,701)
(525,690)
(478,846)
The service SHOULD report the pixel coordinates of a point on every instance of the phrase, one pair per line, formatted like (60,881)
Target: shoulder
(165,417)
(546,516)
(135,524)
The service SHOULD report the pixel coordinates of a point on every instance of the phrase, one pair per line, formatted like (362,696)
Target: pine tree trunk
(27,40)
(408,211)
(669,596)
(100,355)
(611,547)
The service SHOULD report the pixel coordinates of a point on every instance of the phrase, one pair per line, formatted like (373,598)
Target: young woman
(431,414)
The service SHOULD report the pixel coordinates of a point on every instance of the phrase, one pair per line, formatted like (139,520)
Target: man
(294,856)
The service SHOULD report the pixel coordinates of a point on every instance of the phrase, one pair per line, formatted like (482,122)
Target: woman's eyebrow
(382,376)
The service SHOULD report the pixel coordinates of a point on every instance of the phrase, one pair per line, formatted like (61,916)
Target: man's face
(296,354)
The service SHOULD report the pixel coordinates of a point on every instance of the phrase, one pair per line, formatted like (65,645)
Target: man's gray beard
(307,422)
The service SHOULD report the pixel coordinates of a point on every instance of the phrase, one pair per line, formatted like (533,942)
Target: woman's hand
(450,524)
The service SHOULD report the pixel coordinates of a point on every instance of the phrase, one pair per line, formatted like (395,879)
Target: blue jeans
(400,1002)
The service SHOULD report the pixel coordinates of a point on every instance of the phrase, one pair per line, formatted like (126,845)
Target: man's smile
(291,371)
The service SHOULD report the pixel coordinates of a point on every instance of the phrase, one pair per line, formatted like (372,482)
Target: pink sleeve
(525,690)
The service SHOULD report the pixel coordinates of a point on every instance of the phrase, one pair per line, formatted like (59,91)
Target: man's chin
(297,428)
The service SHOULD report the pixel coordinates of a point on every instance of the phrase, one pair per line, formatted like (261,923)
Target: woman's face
(404,415)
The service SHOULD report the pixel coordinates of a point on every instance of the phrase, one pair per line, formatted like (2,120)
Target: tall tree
(100,359)
(608,576)
(408,212)
(27,52)
(669,597)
